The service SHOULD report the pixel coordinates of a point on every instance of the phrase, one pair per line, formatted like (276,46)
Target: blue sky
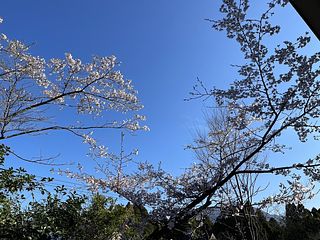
(163,46)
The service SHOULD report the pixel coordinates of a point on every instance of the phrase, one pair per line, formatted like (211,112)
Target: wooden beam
(309,10)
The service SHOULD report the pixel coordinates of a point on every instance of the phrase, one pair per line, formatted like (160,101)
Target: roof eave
(309,10)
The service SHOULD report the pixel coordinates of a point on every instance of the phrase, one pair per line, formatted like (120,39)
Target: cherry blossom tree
(31,88)
(277,93)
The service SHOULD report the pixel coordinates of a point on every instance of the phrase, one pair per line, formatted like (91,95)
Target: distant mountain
(212,213)
(278,218)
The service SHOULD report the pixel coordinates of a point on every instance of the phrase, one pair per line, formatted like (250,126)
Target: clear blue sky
(163,46)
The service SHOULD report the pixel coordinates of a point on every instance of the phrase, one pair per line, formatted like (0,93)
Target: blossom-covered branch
(32,88)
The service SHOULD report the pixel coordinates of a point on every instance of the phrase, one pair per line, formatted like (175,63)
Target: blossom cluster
(32,86)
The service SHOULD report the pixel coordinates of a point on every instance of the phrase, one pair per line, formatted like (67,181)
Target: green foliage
(202,230)
(301,223)
(14,183)
(247,224)
(16,180)
(56,216)
(103,217)
(243,222)
(62,214)
(274,230)
(298,223)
